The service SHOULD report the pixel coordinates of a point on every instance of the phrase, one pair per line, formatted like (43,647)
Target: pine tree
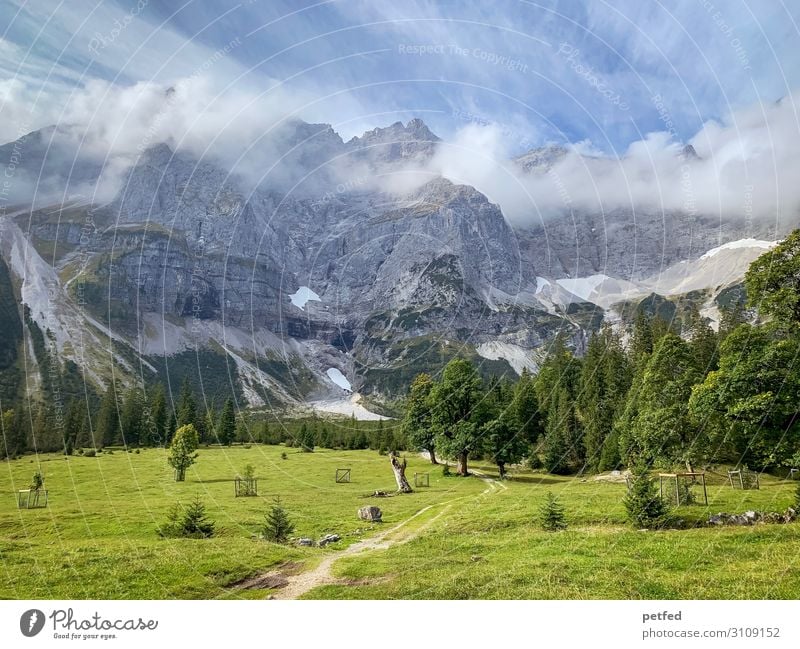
(306,438)
(108,425)
(226,430)
(524,409)
(277,525)
(132,425)
(157,433)
(188,522)
(172,426)
(187,408)
(643,503)
(551,514)
(604,382)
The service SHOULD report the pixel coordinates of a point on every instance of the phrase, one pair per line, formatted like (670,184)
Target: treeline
(651,396)
(137,418)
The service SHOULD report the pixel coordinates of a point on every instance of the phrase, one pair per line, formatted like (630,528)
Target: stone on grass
(328,538)
(370,513)
(306,542)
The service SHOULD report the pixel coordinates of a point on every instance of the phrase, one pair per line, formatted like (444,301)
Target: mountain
(327,275)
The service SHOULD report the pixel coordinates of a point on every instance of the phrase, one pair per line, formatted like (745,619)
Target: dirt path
(322,574)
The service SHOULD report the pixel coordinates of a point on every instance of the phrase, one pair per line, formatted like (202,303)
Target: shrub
(182,450)
(37,482)
(277,526)
(136,451)
(79,451)
(284,456)
(643,503)
(551,514)
(89,453)
(446,470)
(188,522)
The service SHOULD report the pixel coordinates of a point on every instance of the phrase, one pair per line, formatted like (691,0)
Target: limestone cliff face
(190,255)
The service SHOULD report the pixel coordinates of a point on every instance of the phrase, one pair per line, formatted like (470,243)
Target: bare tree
(399,468)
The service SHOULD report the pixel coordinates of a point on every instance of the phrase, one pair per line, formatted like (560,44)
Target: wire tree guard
(743,479)
(686,479)
(247,486)
(31,498)
(422,479)
(794,474)
(342,475)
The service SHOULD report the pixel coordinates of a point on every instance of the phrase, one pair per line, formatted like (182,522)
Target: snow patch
(302,296)
(350,407)
(583,287)
(335,375)
(541,284)
(741,243)
(516,356)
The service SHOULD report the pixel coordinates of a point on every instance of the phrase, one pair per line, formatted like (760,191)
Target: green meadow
(470,537)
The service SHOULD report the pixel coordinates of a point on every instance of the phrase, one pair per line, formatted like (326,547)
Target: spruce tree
(157,433)
(132,425)
(187,408)
(643,504)
(551,514)
(277,525)
(226,430)
(108,426)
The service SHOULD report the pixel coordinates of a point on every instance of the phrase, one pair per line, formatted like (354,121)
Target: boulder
(370,513)
(306,542)
(717,519)
(328,538)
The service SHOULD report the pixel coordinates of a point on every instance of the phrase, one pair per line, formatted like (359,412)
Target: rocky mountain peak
(542,158)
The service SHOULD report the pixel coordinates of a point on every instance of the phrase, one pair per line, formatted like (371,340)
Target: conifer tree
(226,430)
(277,525)
(551,514)
(643,503)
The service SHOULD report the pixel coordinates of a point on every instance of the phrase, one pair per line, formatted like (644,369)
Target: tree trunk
(399,468)
(432,455)
(462,464)
(501,469)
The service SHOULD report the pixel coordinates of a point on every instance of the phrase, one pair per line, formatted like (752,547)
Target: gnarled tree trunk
(432,455)
(399,468)
(462,464)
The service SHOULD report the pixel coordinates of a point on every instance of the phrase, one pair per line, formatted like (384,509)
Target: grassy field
(471,537)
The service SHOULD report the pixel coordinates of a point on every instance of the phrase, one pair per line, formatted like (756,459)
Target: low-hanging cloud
(745,167)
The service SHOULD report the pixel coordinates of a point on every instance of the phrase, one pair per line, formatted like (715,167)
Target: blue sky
(557,71)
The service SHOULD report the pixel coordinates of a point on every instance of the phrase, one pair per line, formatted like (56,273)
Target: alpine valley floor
(460,538)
